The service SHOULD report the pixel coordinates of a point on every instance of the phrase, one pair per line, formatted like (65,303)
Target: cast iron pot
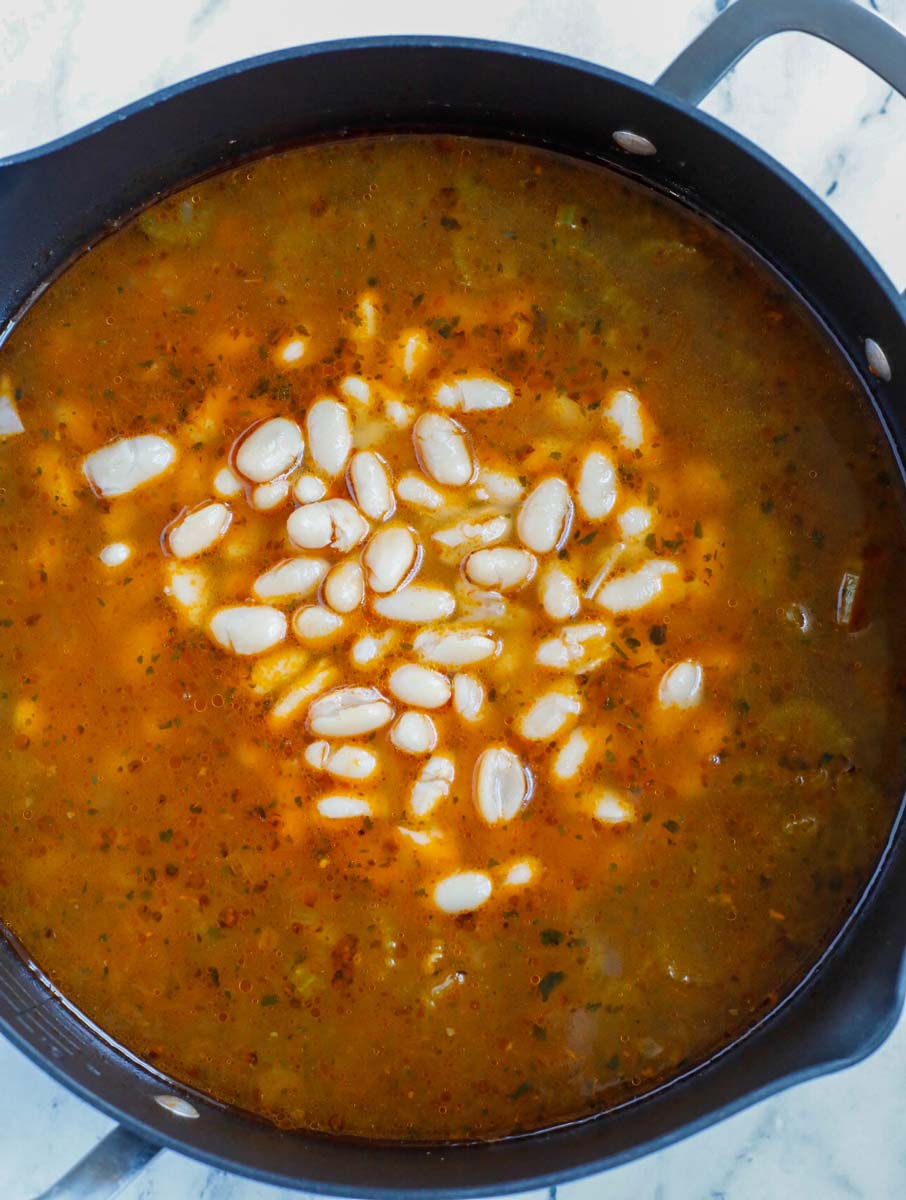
(58,199)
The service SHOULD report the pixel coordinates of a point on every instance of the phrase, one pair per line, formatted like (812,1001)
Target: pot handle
(105,1170)
(858,31)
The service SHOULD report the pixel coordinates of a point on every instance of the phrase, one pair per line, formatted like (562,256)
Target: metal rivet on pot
(177,1106)
(877,360)
(634,143)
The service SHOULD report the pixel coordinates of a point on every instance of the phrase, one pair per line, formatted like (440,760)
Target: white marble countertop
(66,62)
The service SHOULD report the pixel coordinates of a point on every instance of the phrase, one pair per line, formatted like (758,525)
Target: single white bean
(292,577)
(266,497)
(309,488)
(10,421)
(419,686)
(269,449)
(343,808)
(415,490)
(473,395)
(370,485)
(502,567)
(248,628)
(115,554)
(626,413)
(349,712)
(456,647)
(597,486)
(468,697)
(681,685)
(329,435)
(301,692)
(419,836)
(416,604)
(414,733)
(398,414)
(545,515)
(188,586)
(636,588)
(368,650)
(500,486)
(314,623)
(501,785)
(127,463)
(612,556)
(548,716)
(463,892)
(634,521)
(613,809)
(390,558)
(226,483)
(442,449)
(334,523)
(199,529)
(570,648)
(344,762)
(432,785)
(354,388)
(519,874)
(344,587)
(569,760)
(483,533)
(291,352)
(559,594)
(414,348)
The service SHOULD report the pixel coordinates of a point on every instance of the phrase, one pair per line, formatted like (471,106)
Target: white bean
(559,594)
(613,809)
(314,623)
(291,352)
(612,556)
(199,529)
(500,486)
(390,558)
(349,712)
(626,413)
(548,716)
(329,435)
(419,686)
(432,785)
(468,696)
(545,516)
(636,588)
(518,875)
(473,395)
(312,685)
(455,647)
(115,554)
(416,604)
(267,496)
(569,648)
(569,760)
(419,836)
(414,733)
(344,762)
(398,414)
(463,891)
(483,533)
(369,482)
(681,686)
(334,523)
(126,464)
(292,577)
(503,567)
(188,586)
(309,488)
(354,388)
(226,483)
(597,487)
(344,587)
(342,808)
(442,449)
(269,449)
(415,490)
(501,785)
(248,628)
(368,650)
(634,521)
(414,347)
(10,421)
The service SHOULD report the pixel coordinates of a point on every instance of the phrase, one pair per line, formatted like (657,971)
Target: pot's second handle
(857,31)
(106,1170)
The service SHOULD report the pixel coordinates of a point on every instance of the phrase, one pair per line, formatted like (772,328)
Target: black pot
(56,200)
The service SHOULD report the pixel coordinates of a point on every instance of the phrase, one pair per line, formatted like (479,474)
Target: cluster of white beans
(352,550)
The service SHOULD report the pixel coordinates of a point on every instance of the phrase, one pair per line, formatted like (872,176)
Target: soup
(448,666)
